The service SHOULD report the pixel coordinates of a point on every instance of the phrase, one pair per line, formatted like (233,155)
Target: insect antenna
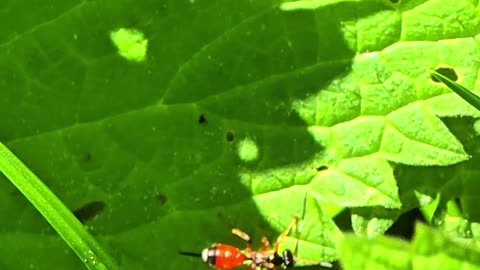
(191,254)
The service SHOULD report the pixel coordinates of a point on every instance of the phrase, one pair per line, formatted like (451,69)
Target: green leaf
(435,250)
(227,121)
(463,92)
(373,221)
(458,227)
(354,184)
(430,249)
(318,234)
(381,253)
(456,183)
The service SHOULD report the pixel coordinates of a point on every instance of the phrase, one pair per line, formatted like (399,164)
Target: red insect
(226,257)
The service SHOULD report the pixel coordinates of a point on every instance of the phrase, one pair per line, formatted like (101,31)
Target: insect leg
(251,266)
(245,237)
(285,233)
(266,244)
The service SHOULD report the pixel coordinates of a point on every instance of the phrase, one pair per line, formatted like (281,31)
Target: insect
(226,257)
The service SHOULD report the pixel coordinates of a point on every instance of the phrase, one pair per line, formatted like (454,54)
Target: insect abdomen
(223,257)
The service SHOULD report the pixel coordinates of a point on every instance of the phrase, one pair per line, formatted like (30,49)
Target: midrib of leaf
(205,48)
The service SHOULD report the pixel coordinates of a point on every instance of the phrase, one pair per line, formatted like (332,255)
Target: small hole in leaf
(447,72)
(88,157)
(89,161)
(322,168)
(202,120)
(161,199)
(220,216)
(229,136)
(89,211)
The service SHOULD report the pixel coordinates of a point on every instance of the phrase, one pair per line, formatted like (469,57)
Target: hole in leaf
(394,1)
(322,168)
(220,216)
(89,161)
(229,136)
(162,199)
(447,72)
(88,157)
(89,211)
(202,120)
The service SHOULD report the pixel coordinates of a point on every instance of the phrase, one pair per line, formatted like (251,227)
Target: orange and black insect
(226,257)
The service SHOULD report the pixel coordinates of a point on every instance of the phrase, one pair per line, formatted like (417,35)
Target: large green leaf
(226,122)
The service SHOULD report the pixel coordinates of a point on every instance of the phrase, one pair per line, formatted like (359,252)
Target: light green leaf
(430,249)
(318,234)
(358,182)
(374,221)
(380,253)
(434,250)
(458,227)
(416,137)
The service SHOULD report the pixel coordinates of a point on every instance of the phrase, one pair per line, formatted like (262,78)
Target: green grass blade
(55,212)
(463,92)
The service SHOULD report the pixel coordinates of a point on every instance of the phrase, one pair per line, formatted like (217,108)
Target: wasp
(226,257)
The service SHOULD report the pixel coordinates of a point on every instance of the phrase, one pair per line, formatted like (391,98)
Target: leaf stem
(55,212)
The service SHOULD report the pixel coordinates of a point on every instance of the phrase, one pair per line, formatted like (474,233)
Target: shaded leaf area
(430,249)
